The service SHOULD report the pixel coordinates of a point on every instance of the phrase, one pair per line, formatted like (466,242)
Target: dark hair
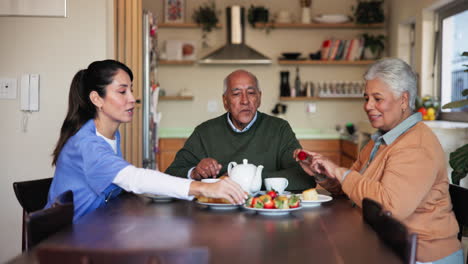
(80,108)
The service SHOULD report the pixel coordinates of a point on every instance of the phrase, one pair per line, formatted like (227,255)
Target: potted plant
(257,14)
(206,16)
(458,159)
(373,46)
(369,11)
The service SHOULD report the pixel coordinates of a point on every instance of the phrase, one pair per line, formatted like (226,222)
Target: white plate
(275,212)
(321,199)
(158,198)
(331,19)
(219,206)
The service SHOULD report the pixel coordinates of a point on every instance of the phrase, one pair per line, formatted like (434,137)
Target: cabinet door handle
(138,101)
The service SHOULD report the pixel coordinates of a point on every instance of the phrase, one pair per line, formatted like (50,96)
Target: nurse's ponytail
(80,108)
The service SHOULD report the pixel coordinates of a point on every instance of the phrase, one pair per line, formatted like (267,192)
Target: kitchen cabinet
(329,148)
(168,148)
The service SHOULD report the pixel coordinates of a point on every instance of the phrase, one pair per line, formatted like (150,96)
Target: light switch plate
(8,88)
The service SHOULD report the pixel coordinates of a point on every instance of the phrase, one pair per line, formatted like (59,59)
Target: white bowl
(331,18)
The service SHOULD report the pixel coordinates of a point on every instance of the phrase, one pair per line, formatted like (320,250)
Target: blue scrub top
(87,165)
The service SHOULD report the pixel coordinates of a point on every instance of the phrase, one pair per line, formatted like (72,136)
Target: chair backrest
(68,255)
(459,196)
(391,231)
(46,222)
(32,195)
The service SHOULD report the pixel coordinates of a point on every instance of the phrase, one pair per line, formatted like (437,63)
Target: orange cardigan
(409,178)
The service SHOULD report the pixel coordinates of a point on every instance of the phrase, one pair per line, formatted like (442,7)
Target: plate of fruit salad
(273,204)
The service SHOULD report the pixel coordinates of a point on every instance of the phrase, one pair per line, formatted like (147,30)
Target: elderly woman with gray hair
(403,167)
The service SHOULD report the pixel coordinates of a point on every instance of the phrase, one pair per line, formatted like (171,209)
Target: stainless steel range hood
(235,51)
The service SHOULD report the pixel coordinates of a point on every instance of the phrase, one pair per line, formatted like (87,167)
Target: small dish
(219,206)
(331,18)
(291,55)
(322,198)
(159,198)
(272,212)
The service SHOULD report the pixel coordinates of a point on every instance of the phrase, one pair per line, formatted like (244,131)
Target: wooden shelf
(182,25)
(319,25)
(175,98)
(308,98)
(176,62)
(324,62)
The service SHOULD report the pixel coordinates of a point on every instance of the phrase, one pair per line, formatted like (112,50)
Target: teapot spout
(256,183)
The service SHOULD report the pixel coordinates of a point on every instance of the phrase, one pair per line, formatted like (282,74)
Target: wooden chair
(32,196)
(43,223)
(459,197)
(391,231)
(59,255)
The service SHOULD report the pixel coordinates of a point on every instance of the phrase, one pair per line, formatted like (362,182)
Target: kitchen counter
(301,133)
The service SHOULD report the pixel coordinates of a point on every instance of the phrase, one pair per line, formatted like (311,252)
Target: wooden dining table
(331,232)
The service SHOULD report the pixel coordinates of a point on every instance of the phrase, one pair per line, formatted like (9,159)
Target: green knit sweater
(270,142)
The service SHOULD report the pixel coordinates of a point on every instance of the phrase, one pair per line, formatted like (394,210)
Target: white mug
(277,184)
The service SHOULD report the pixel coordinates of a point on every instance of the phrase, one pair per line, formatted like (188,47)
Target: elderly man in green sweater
(241,133)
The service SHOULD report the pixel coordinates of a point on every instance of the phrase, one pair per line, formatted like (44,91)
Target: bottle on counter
(297,83)
(285,88)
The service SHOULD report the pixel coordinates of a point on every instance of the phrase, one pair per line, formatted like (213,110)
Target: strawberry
(294,201)
(267,202)
(272,194)
(302,155)
(257,203)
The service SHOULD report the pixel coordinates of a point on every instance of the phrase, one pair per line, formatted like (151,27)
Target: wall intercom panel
(30,92)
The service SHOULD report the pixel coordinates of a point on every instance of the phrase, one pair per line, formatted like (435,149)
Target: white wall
(56,48)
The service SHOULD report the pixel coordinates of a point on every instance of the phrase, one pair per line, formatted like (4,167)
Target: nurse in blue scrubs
(88,158)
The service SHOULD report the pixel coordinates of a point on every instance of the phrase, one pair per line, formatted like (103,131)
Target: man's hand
(206,168)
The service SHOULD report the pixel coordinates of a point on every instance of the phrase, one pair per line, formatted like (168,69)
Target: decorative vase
(369,55)
(306,15)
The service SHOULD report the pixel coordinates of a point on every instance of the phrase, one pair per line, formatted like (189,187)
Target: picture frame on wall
(174,11)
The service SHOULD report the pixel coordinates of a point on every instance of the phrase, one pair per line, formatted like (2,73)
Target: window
(453,24)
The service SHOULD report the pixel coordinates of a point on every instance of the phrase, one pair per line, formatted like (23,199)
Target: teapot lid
(245,161)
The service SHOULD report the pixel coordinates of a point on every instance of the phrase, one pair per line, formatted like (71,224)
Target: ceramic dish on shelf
(322,198)
(331,18)
(272,212)
(291,55)
(219,206)
(158,198)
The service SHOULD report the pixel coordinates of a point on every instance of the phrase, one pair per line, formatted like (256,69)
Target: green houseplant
(369,11)
(458,159)
(206,17)
(373,46)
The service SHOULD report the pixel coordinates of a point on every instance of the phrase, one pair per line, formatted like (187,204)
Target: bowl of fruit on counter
(428,106)
(271,203)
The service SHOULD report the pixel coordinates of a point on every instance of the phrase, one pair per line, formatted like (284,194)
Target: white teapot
(248,176)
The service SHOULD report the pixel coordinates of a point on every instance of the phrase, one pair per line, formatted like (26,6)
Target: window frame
(444,12)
